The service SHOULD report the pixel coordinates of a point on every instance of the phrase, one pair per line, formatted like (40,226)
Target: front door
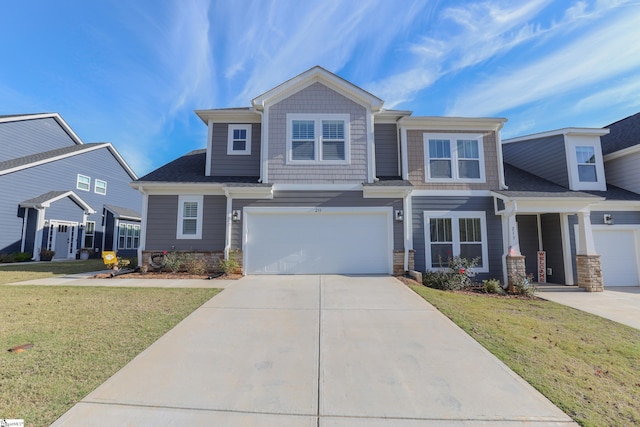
(63,238)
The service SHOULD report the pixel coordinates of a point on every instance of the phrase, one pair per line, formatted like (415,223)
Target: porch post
(588,261)
(514,259)
(39,228)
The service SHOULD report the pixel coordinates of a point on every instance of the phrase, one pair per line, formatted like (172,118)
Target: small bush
(457,276)
(492,286)
(195,265)
(436,280)
(174,261)
(229,265)
(524,285)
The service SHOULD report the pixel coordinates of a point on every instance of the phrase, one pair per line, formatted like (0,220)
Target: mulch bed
(166,275)
(477,291)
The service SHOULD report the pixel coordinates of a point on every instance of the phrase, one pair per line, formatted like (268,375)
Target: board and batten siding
(416,159)
(162,223)
(61,175)
(543,157)
(318,199)
(27,137)
(461,203)
(316,99)
(386,140)
(223,164)
(624,172)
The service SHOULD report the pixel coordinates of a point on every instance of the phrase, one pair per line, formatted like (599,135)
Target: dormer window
(318,138)
(239,140)
(586,158)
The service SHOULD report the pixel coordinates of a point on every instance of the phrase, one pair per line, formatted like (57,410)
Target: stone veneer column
(590,273)
(516,269)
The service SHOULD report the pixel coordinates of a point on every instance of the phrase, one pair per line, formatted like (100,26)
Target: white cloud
(612,48)
(625,93)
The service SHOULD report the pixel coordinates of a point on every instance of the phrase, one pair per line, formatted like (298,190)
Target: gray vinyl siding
(461,203)
(316,99)
(223,164)
(552,244)
(386,140)
(529,244)
(623,172)
(318,199)
(61,175)
(544,157)
(162,223)
(26,137)
(619,217)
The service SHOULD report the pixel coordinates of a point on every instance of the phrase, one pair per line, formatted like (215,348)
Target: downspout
(408,227)
(501,181)
(143,226)
(227,237)
(25,221)
(372,149)
(264,150)
(405,157)
(207,166)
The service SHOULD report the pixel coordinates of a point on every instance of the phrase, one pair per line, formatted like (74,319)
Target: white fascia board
(249,192)
(564,131)
(391,116)
(541,205)
(121,160)
(169,188)
(317,187)
(229,115)
(621,153)
(313,75)
(452,193)
(616,205)
(60,157)
(452,123)
(385,192)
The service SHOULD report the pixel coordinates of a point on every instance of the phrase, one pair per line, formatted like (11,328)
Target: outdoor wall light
(399,215)
(608,219)
(236,215)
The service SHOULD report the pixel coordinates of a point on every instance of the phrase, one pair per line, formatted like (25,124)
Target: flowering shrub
(459,275)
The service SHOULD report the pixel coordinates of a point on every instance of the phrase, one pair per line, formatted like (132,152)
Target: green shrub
(229,265)
(194,264)
(174,261)
(523,285)
(492,286)
(457,276)
(436,280)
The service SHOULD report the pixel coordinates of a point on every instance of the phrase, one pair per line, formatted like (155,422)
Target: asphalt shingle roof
(524,184)
(124,212)
(623,134)
(43,156)
(43,198)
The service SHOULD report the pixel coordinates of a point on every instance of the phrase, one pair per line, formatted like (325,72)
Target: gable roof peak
(313,75)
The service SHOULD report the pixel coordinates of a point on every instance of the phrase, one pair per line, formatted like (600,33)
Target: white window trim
(181,201)
(455,216)
(230,150)
(78,182)
(571,143)
(453,137)
(317,149)
(95,186)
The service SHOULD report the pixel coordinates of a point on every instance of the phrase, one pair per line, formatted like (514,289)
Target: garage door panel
(618,256)
(317,243)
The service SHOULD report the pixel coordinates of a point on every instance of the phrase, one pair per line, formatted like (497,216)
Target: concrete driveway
(618,303)
(315,351)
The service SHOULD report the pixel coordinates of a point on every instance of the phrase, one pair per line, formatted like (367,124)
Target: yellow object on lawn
(109,257)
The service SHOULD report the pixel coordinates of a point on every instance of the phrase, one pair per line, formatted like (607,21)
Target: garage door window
(449,234)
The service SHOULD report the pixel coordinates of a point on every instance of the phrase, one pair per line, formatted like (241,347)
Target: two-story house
(317,177)
(60,194)
(562,214)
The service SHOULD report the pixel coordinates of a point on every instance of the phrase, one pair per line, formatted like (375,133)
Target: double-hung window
(454,158)
(239,139)
(189,217)
(449,234)
(83,182)
(100,187)
(586,158)
(318,138)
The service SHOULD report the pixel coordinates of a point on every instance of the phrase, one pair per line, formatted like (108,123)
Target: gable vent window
(239,140)
(586,157)
(318,139)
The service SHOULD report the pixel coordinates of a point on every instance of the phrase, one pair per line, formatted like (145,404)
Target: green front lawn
(586,365)
(20,272)
(80,336)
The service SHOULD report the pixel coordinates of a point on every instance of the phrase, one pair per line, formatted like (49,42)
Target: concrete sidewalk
(620,304)
(315,351)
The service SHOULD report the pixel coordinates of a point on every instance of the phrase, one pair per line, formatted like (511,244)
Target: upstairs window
(586,157)
(320,138)
(454,157)
(83,183)
(100,187)
(239,140)
(189,217)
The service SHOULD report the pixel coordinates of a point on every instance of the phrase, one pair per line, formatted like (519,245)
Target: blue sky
(132,72)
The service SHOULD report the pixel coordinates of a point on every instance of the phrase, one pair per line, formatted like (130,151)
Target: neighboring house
(61,194)
(317,177)
(561,202)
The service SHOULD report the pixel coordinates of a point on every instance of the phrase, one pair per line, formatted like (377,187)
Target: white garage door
(618,255)
(318,241)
